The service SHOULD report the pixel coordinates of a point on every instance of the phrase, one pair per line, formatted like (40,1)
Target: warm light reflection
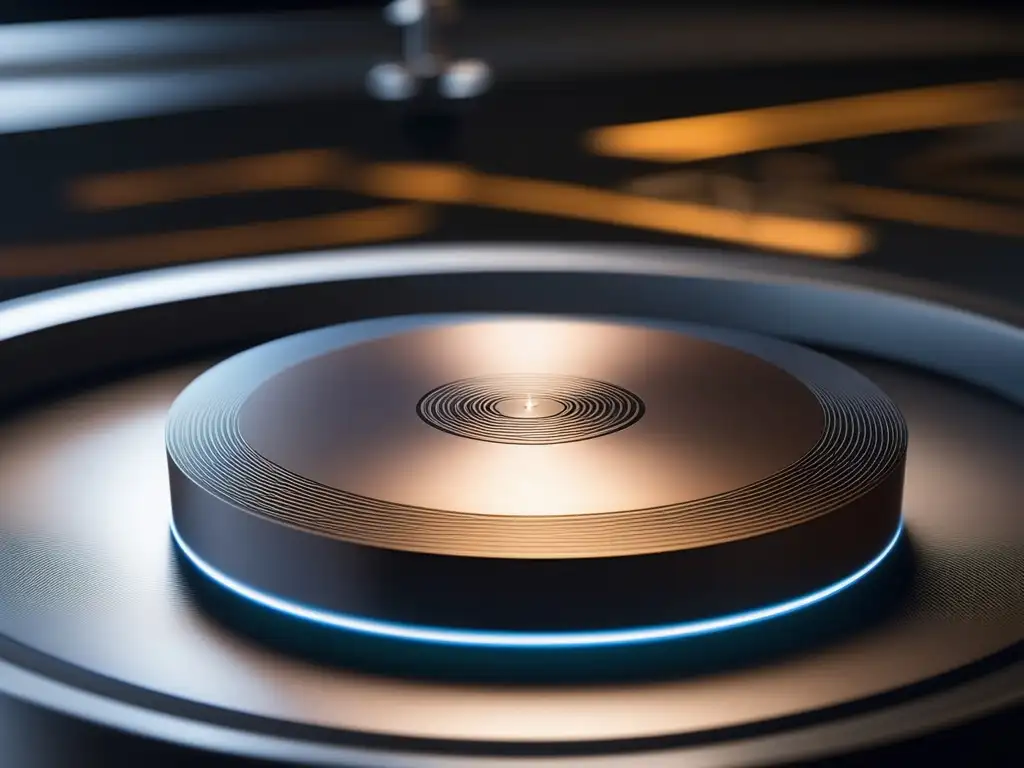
(637,468)
(519,480)
(704,137)
(434,182)
(537,346)
(435,469)
(673,453)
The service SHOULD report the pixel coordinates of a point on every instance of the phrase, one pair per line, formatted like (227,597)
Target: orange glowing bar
(301,169)
(704,137)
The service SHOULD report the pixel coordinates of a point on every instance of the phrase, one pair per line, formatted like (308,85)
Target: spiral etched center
(530,409)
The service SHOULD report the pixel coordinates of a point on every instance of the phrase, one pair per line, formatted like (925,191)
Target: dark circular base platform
(534,480)
(103,627)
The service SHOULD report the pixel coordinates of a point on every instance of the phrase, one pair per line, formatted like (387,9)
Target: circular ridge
(472,408)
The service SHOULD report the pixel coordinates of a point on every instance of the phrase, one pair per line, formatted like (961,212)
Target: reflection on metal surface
(708,136)
(698,418)
(298,169)
(527,639)
(351,227)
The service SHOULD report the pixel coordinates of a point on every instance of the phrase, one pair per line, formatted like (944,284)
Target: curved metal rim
(977,343)
(512,639)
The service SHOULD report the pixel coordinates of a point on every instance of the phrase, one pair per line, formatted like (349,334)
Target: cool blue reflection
(492,639)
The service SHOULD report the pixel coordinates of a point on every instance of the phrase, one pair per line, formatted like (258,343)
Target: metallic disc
(748,471)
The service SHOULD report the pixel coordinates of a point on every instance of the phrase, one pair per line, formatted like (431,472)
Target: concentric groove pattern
(586,408)
(863,442)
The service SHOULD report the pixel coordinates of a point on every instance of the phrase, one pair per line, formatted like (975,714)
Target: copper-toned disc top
(541,438)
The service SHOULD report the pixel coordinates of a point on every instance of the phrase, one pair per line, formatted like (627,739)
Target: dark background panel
(38,10)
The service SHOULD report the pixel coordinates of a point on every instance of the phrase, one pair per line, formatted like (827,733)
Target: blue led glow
(491,639)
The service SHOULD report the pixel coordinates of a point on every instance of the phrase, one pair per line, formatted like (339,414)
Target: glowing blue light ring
(492,639)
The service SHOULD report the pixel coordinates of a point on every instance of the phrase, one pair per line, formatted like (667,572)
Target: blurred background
(143,134)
